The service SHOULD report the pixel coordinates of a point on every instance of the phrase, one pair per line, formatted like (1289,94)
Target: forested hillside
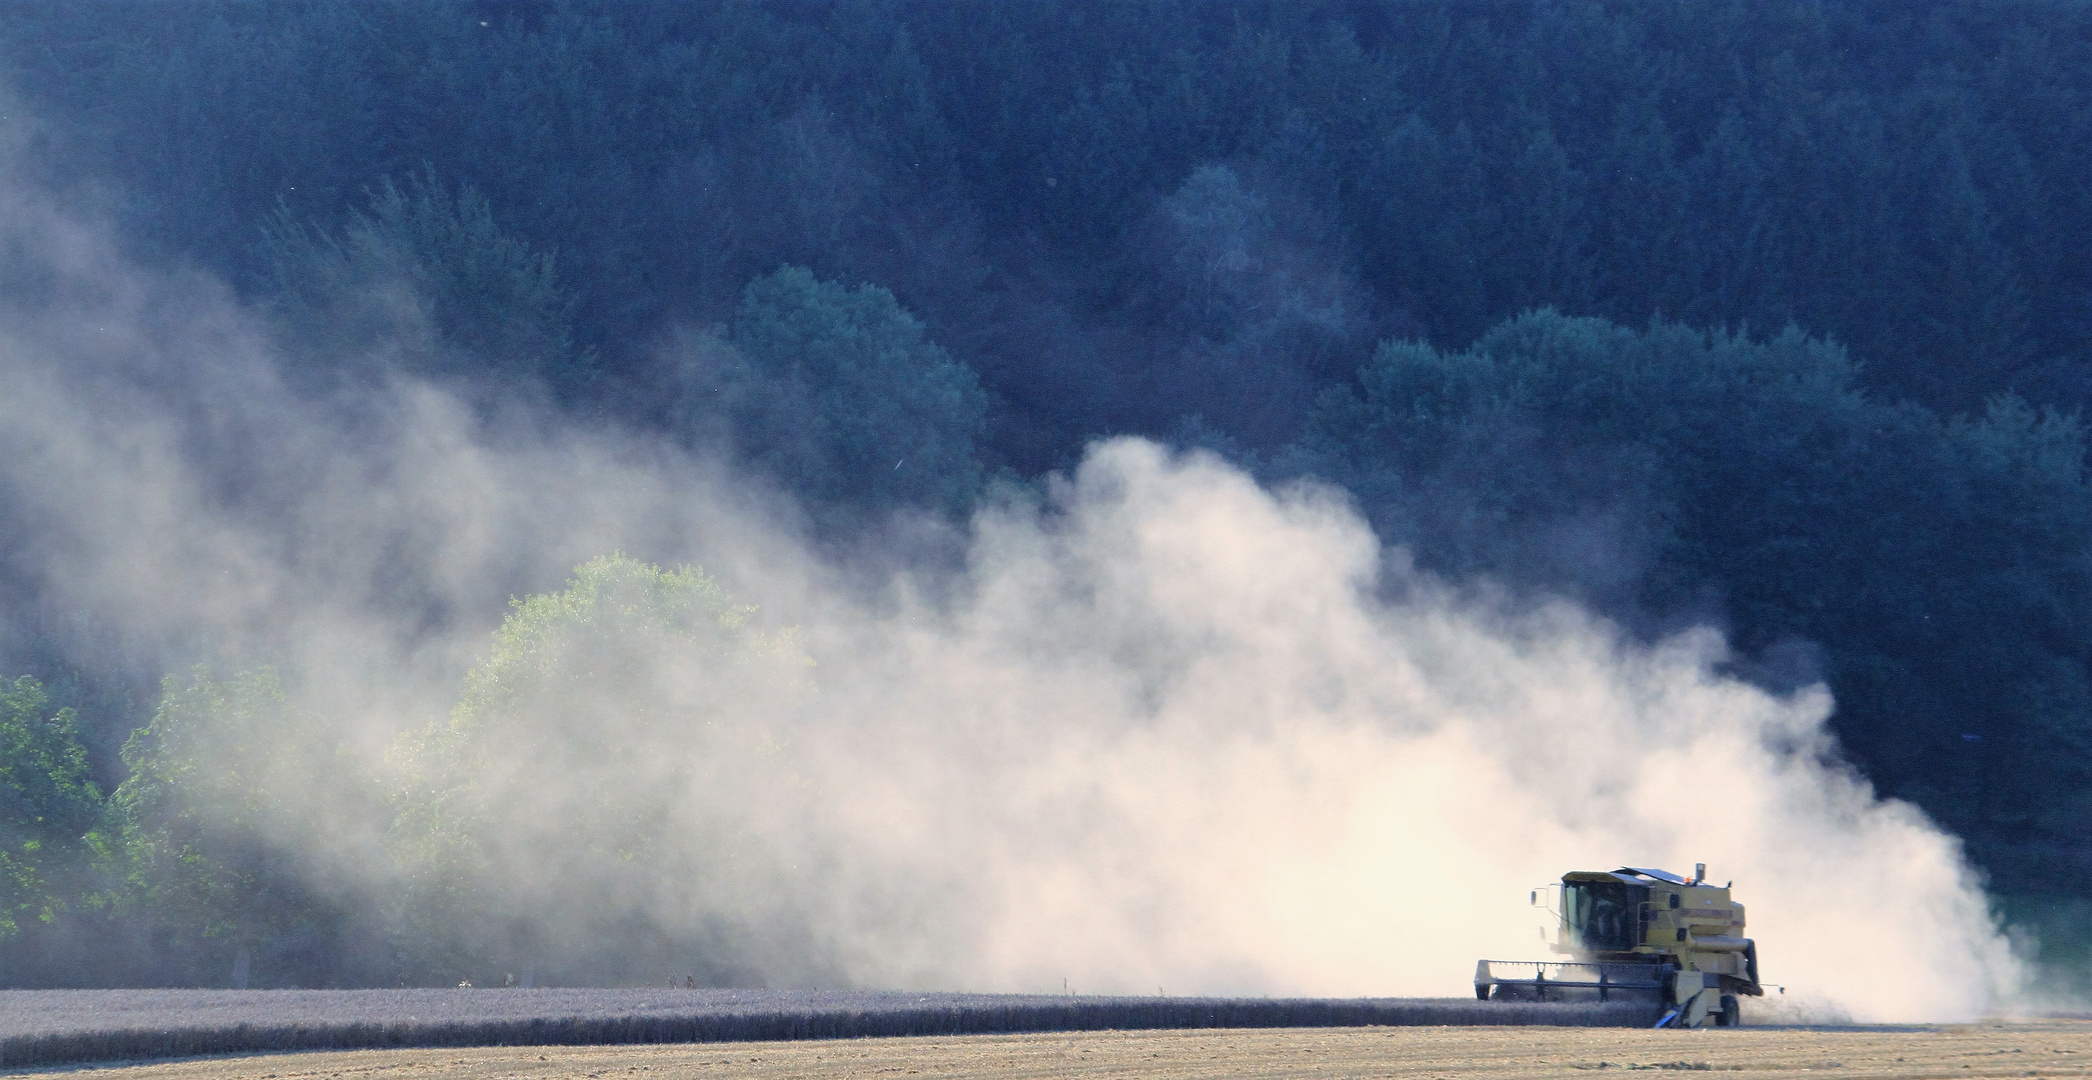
(1774,317)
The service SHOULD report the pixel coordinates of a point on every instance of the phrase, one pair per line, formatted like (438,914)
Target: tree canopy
(1754,483)
(838,393)
(606,687)
(48,806)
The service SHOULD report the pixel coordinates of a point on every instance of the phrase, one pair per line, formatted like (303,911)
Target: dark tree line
(1771,315)
(1907,181)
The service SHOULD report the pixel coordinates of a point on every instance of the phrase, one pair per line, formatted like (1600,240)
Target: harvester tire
(1481,991)
(1731,1014)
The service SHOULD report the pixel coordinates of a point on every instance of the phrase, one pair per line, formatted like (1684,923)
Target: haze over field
(1148,724)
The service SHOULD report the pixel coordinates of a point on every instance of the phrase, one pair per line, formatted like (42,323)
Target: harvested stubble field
(2043,1048)
(50,1027)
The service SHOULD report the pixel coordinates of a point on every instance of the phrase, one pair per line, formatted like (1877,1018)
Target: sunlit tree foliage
(606,693)
(48,806)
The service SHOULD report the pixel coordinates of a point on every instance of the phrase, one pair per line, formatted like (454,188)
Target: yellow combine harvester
(1640,933)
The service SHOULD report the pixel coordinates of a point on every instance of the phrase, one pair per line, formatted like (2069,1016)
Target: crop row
(838,1016)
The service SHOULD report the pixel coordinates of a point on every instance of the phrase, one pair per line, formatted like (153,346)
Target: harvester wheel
(1731,1014)
(1481,991)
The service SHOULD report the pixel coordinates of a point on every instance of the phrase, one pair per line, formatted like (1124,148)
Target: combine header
(1636,933)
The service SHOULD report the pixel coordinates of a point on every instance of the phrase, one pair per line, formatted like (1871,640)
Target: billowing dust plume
(1158,728)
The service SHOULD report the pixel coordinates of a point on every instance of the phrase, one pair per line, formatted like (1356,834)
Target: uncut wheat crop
(54,1026)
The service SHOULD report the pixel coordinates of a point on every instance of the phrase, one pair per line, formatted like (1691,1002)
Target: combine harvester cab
(1640,934)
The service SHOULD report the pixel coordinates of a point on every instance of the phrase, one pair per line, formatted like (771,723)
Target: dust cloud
(1154,727)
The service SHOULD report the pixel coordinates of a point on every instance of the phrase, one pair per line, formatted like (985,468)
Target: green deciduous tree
(48,806)
(220,832)
(592,759)
(838,393)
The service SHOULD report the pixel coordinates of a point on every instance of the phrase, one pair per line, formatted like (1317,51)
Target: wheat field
(55,1027)
(2058,1048)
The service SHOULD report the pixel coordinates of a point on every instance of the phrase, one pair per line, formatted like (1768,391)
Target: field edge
(68,1048)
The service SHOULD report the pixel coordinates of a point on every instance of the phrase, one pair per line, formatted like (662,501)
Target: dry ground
(2039,1048)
